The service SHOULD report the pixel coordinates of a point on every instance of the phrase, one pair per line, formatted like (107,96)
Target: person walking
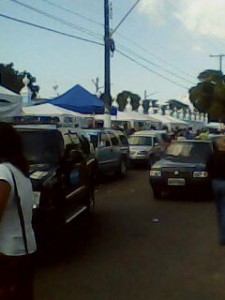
(216,169)
(17,239)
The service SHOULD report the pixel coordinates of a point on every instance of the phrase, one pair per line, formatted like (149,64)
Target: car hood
(140,148)
(165,163)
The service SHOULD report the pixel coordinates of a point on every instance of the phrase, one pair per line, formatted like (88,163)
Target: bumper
(195,184)
(138,157)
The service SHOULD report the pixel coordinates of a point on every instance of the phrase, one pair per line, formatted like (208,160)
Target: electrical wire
(73,12)
(158,66)
(155,56)
(150,70)
(60,20)
(50,29)
(126,15)
(72,25)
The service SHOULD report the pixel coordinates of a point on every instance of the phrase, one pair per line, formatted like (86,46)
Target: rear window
(42,147)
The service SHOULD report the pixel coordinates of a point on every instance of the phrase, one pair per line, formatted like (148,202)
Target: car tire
(157,193)
(122,170)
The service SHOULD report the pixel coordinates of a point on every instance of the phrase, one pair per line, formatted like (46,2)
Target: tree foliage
(122,100)
(208,96)
(13,79)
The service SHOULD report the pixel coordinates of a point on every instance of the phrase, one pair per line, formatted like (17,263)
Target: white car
(147,146)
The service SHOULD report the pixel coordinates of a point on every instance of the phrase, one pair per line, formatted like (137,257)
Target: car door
(75,182)
(105,153)
(116,149)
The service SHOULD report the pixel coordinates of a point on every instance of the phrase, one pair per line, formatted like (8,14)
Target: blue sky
(172,40)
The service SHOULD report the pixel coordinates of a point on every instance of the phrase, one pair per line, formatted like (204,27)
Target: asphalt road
(140,248)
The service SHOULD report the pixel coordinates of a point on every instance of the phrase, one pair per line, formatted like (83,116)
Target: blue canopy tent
(80,100)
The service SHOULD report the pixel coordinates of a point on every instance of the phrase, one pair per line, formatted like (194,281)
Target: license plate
(176,181)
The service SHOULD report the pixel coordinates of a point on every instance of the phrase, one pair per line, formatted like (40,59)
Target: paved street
(140,248)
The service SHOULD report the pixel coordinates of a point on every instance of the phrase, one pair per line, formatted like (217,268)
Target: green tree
(122,100)
(13,79)
(208,96)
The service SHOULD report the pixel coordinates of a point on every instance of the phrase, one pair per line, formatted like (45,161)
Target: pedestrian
(216,169)
(17,240)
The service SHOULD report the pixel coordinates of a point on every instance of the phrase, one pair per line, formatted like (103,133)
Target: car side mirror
(156,144)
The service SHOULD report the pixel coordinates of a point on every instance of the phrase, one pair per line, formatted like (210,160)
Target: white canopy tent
(10,103)
(170,121)
(49,110)
(63,114)
(132,117)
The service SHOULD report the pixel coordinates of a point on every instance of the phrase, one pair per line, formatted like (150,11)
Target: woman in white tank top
(17,241)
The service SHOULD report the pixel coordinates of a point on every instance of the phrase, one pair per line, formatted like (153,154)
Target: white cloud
(154,9)
(198,48)
(205,17)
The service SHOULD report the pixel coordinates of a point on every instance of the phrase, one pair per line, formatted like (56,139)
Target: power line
(72,12)
(90,41)
(126,15)
(72,25)
(150,70)
(50,30)
(158,66)
(156,56)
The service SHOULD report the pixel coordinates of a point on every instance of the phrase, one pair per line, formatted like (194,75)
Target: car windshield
(42,147)
(140,140)
(189,151)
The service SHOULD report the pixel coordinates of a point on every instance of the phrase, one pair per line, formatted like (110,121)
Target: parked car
(62,174)
(147,146)
(111,150)
(183,167)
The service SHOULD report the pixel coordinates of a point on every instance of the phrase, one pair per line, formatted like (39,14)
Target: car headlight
(36,199)
(155,173)
(200,174)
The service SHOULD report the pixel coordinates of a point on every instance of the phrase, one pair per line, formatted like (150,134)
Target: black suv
(62,173)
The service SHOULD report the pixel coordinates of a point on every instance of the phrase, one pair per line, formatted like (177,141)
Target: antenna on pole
(220,56)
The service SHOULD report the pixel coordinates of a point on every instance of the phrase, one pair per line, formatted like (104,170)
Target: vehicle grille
(172,173)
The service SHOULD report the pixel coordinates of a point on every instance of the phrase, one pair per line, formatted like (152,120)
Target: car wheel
(157,193)
(122,167)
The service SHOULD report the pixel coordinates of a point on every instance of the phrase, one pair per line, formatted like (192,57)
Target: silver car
(147,146)
(111,150)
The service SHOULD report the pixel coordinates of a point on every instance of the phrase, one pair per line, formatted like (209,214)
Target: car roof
(147,133)
(66,132)
(103,129)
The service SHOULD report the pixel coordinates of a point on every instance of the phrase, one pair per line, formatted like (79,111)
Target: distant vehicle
(62,173)
(215,137)
(147,146)
(183,167)
(111,150)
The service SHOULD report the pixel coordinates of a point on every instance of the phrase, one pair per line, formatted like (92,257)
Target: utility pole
(220,56)
(107,93)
